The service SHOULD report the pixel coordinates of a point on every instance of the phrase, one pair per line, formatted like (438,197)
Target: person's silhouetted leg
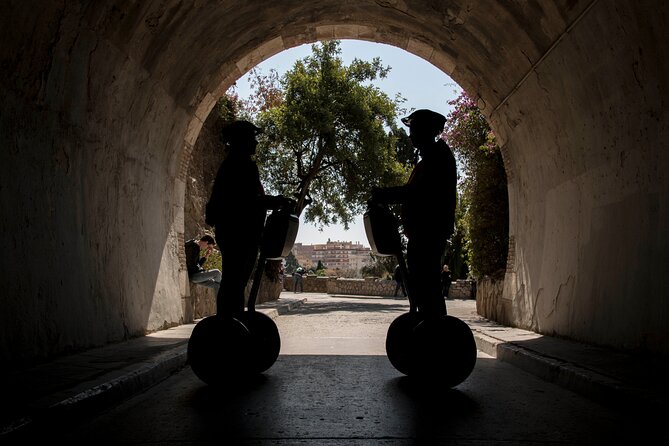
(237,270)
(424,265)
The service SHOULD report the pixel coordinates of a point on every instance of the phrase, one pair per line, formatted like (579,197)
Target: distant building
(334,255)
(304,255)
(339,255)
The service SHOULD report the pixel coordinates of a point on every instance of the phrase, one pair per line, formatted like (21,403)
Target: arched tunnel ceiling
(197,49)
(203,47)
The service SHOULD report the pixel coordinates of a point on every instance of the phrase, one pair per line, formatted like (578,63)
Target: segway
(222,349)
(437,348)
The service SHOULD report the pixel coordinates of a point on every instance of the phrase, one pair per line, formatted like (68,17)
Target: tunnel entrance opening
(435,91)
(432,89)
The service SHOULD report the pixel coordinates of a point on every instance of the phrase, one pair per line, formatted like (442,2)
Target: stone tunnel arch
(105,101)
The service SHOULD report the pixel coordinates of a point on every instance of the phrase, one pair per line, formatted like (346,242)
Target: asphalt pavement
(102,377)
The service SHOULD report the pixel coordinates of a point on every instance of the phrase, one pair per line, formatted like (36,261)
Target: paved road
(333,385)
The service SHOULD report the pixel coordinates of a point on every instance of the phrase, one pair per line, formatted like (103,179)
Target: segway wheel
(445,350)
(217,350)
(400,342)
(265,342)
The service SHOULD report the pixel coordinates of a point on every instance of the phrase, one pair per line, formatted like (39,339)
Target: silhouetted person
(428,209)
(237,210)
(399,283)
(298,280)
(445,281)
(210,278)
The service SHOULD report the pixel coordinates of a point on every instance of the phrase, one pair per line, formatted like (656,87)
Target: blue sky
(419,82)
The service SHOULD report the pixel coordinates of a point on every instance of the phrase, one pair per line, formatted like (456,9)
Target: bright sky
(419,82)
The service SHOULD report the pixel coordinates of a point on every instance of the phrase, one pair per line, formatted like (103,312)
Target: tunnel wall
(103,102)
(585,134)
(88,139)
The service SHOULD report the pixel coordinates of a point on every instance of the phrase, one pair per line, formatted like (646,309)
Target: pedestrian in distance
(446,280)
(399,283)
(298,280)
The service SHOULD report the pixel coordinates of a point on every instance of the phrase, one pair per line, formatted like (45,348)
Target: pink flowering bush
(483,208)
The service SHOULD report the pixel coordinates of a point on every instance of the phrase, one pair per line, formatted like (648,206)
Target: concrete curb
(137,379)
(129,384)
(583,381)
(282,309)
(160,368)
(103,395)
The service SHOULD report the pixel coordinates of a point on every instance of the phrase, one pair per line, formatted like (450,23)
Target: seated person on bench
(196,273)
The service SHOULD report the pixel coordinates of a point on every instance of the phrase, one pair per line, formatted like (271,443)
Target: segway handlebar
(383,233)
(382,229)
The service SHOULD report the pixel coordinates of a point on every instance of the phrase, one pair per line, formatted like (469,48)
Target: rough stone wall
(489,303)
(207,157)
(361,287)
(269,290)
(460,289)
(203,299)
(311,284)
(463,289)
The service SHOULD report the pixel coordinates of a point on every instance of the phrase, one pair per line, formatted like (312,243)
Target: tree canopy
(330,134)
(484,206)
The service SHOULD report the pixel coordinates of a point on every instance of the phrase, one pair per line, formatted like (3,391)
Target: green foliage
(381,266)
(267,92)
(329,134)
(320,266)
(456,251)
(214,261)
(484,208)
(291,263)
(406,152)
(230,107)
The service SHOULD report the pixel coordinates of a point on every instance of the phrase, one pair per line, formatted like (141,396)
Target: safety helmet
(425,119)
(238,130)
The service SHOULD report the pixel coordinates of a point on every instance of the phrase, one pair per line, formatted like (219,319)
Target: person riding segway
(236,343)
(424,341)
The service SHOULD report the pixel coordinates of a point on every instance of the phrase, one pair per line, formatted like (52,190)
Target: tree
(230,107)
(380,266)
(330,135)
(291,263)
(407,154)
(320,269)
(267,92)
(484,198)
(456,251)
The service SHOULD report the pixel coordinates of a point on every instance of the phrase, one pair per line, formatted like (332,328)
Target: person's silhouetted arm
(389,195)
(277,202)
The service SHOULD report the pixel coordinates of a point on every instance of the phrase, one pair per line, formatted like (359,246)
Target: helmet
(239,129)
(425,119)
